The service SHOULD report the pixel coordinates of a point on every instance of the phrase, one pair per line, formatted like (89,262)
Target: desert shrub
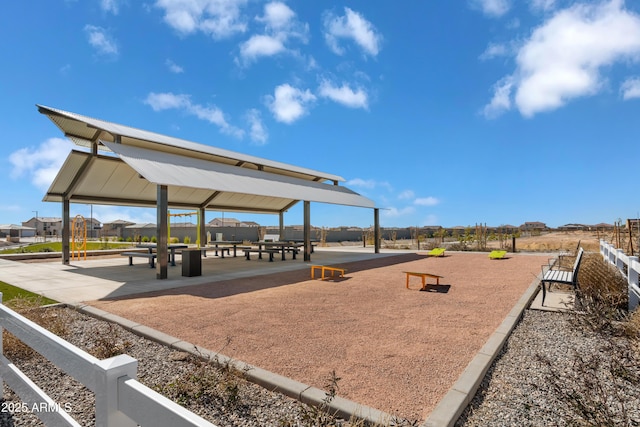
(187,240)
(145,239)
(174,240)
(602,297)
(154,239)
(206,381)
(595,392)
(53,319)
(107,341)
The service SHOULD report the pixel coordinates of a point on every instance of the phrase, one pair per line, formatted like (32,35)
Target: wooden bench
(562,276)
(248,252)
(150,257)
(324,268)
(423,276)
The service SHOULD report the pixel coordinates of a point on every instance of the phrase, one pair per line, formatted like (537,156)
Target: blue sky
(443,112)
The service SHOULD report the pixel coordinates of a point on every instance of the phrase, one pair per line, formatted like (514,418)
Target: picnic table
(172,248)
(282,247)
(222,245)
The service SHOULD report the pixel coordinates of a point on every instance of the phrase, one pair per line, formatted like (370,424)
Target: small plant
(145,239)
(154,239)
(595,392)
(108,342)
(187,240)
(53,319)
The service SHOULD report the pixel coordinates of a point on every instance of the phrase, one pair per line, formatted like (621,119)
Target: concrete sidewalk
(92,279)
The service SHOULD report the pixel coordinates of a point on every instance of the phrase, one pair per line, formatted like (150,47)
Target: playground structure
(79,237)
(189,214)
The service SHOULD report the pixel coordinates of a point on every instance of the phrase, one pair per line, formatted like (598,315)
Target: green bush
(187,240)
(154,240)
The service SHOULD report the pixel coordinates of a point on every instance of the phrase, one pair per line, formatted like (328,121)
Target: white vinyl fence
(628,266)
(121,401)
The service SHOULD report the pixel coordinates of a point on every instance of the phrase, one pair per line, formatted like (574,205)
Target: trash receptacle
(191,262)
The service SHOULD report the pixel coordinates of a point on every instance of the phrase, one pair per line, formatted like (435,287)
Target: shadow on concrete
(261,280)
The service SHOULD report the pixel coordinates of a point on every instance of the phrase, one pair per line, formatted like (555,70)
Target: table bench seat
(248,252)
(150,257)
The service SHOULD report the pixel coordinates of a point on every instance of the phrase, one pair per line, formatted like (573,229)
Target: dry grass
(54,319)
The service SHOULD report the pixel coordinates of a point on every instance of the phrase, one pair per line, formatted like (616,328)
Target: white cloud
(351,26)
(261,45)
(564,58)
(42,163)
(257,131)
(406,194)
(630,88)
(501,100)
(289,104)
(369,184)
(277,15)
(426,201)
(280,27)
(214,115)
(110,6)
(493,8)
(393,212)
(494,50)
(543,5)
(173,67)
(344,95)
(217,18)
(101,40)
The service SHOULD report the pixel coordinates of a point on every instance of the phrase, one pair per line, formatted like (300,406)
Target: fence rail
(121,401)
(628,266)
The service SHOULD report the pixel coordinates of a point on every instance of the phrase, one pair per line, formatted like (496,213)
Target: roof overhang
(196,176)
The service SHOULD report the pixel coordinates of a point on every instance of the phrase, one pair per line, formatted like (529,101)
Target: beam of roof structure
(86,131)
(197,176)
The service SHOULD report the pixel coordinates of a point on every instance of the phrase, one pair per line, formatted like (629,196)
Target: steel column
(162,233)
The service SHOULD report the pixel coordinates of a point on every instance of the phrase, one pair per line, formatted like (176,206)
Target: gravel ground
(226,400)
(518,390)
(552,373)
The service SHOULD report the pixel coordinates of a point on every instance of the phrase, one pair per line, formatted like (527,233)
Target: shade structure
(197,176)
(133,167)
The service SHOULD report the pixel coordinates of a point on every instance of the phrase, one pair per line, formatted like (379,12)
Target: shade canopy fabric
(196,175)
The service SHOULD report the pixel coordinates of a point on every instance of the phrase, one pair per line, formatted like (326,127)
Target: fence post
(107,373)
(1,346)
(619,260)
(634,283)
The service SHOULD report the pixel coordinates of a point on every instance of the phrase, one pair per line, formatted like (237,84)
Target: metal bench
(561,276)
(150,257)
(248,252)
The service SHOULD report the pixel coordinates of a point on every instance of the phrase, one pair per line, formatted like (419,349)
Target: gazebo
(126,166)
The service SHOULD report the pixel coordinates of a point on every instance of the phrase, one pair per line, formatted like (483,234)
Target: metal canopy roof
(196,175)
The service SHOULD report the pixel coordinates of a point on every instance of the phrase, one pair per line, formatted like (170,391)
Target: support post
(376,230)
(202,232)
(66,231)
(281,223)
(307,230)
(162,233)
